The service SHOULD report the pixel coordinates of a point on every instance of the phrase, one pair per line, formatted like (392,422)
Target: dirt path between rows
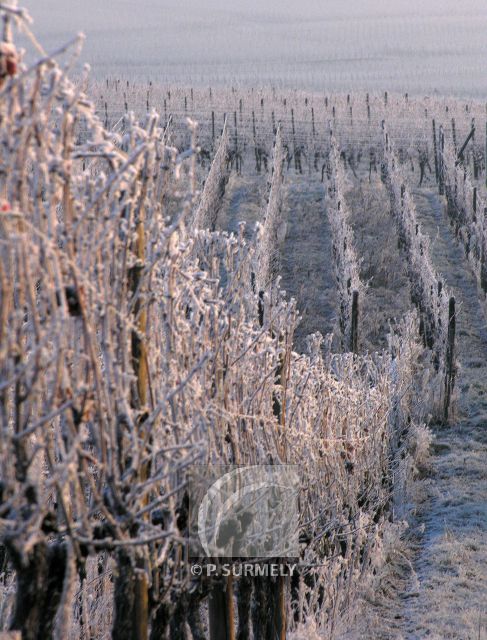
(436,585)
(244,201)
(450,598)
(306,258)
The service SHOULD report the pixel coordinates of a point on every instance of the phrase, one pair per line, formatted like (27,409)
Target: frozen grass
(307,273)
(382,266)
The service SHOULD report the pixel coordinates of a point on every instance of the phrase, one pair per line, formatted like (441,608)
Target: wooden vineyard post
(221,611)
(483,264)
(139,356)
(435,149)
(441,175)
(131,585)
(473,150)
(142,604)
(256,150)
(354,326)
(297,155)
(278,589)
(280,619)
(244,602)
(450,359)
(474,155)
(237,163)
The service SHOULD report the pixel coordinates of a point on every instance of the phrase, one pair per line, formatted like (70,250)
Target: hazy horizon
(396,45)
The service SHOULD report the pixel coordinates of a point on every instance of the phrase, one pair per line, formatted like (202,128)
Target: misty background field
(419,46)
